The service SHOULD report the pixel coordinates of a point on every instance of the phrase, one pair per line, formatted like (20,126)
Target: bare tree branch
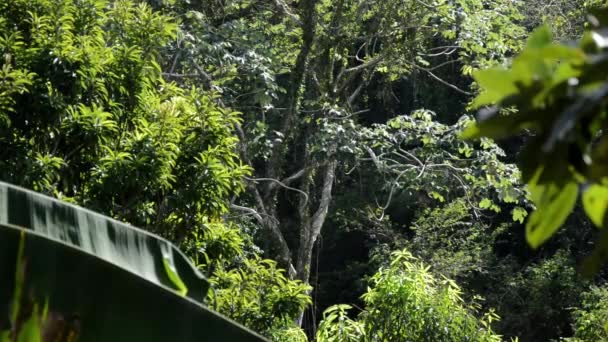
(354,95)
(443,81)
(176,75)
(251,211)
(294,176)
(269,222)
(326,194)
(202,72)
(367,64)
(447,51)
(276,181)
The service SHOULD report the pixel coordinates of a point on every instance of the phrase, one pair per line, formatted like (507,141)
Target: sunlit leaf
(485,203)
(541,37)
(595,202)
(519,214)
(554,204)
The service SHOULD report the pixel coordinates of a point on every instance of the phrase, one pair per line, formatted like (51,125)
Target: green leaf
(497,126)
(111,275)
(497,84)
(485,203)
(437,196)
(495,208)
(561,52)
(472,131)
(519,214)
(554,204)
(595,202)
(174,277)
(31,329)
(125,246)
(540,38)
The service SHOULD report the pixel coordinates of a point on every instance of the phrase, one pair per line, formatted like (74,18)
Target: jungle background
(307,156)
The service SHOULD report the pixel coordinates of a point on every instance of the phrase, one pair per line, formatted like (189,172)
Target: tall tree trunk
(267,197)
(310,227)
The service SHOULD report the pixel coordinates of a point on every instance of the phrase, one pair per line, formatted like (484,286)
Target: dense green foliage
(87,117)
(590,320)
(289,147)
(405,302)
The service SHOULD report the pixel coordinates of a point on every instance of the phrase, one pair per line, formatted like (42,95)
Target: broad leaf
(496,83)
(106,278)
(495,126)
(595,202)
(519,214)
(540,38)
(125,246)
(554,204)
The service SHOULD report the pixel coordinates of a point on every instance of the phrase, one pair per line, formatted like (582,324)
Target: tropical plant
(591,318)
(489,258)
(89,277)
(337,326)
(89,119)
(260,296)
(415,153)
(405,302)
